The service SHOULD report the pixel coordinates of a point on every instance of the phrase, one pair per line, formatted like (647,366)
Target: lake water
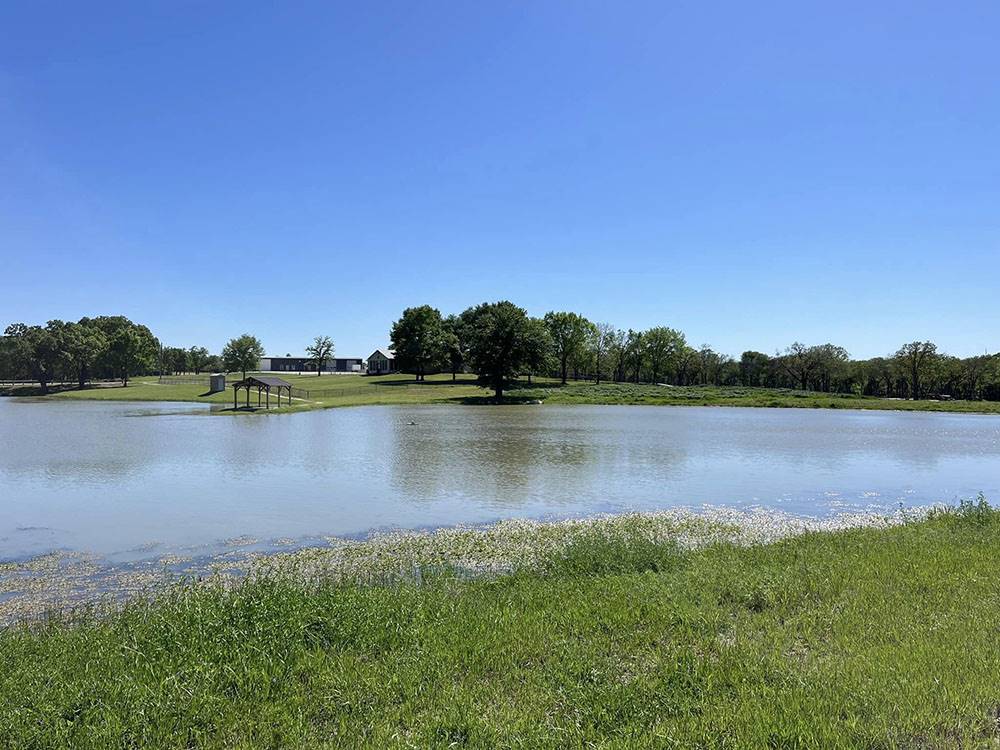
(135,479)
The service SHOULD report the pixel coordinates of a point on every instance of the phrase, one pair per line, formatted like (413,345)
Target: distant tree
(320,351)
(568,332)
(456,343)
(538,358)
(132,348)
(602,343)
(198,358)
(686,363)
(81,346)
(420,340)
(37,349)
(661,345)
(753,368)
(500,343)
(635,352)
(915,358)
(132,352)
(830,364)
(618,355)
(799,361)
(242,354)
(173,359)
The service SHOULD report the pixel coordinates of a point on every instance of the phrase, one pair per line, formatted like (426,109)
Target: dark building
(303,364)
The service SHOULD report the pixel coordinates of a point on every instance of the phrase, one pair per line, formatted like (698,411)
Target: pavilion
(264,385)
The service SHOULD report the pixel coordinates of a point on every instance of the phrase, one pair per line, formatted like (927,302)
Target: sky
(750,173)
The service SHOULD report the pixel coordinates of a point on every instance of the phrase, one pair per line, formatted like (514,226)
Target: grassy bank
(615,637)
(354,390)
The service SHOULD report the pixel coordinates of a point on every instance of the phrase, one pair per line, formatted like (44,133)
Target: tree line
(500,342)
(112,347)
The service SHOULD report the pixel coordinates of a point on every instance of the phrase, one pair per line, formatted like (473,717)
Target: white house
(381,362)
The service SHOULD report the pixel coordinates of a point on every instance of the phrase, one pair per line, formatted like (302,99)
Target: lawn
(355,390)
(861,638)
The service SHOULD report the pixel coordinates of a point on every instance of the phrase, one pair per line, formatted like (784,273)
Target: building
(381,362)
(303,364)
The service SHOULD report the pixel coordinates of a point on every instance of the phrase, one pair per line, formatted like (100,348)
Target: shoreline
(64,580)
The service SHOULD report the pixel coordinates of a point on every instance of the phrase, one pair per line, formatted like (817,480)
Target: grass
(551,392)
(872,637)
(355,390)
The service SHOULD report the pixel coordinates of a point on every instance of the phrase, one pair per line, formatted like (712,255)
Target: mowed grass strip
(355,390)
(862,638)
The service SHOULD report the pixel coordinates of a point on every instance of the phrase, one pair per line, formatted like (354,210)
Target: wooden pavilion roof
(265,380)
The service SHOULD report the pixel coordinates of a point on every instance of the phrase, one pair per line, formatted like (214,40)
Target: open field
(355,390)
(619,635)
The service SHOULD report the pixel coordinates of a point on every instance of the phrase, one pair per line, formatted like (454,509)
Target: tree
(198,358)
(830,364)
(618,355)
(539,348)
(753,368)
(799,362)
(420,340)
(243,353)
(635,352)
(501,343)
(131,352)
(38,349)
(456,343)
(131,349)
(319,352)
(82,346)
(915,358)
(602,343)
(569,338)
(661,346)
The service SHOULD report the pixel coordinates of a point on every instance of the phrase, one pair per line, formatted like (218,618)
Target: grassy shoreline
(637,634)
(350,390)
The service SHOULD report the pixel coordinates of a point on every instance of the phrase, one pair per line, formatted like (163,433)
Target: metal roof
(263,380)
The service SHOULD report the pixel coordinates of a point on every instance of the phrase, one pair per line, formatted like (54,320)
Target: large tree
(662,345)
(569,333)
(420,340)
(37,349)
(799,361)
(198,358)
(456,342)
(502,343)
(132,348)
(82,346)
(242,354)
(320,351)
(915,358)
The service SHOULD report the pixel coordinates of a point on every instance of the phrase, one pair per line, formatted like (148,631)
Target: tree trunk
(563,372)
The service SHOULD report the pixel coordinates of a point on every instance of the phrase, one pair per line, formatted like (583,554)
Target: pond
(135,479)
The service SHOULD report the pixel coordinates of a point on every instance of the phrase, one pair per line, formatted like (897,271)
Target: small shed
(264,385)
(216,383)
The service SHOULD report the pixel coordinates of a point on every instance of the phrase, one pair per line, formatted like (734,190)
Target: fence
(185,380)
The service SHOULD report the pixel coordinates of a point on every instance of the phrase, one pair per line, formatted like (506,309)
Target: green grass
(657,395)
(355,390)
(872,638)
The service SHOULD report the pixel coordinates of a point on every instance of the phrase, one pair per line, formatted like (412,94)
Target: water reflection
(107,477)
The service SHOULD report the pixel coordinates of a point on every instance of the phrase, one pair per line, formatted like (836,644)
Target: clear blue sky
(749,173)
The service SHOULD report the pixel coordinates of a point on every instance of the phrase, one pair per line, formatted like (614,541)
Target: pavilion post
(235,389)
(269,397)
